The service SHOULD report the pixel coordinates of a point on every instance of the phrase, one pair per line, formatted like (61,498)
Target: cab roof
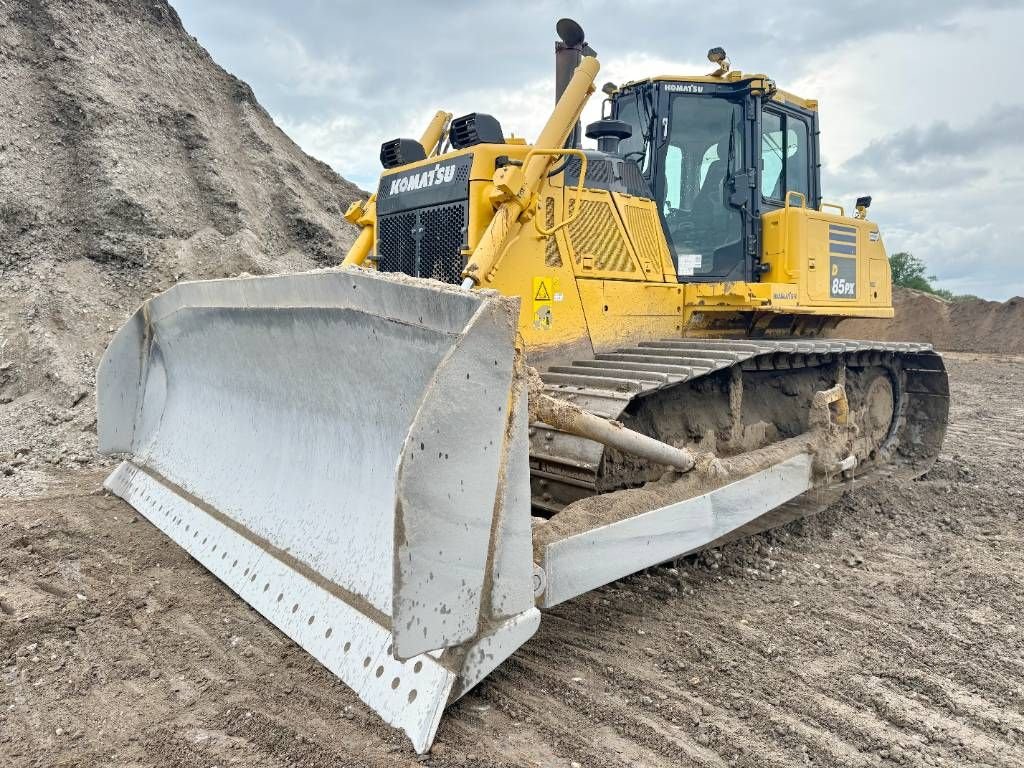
(757,81)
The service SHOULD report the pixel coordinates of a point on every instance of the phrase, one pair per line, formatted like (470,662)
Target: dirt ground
(887,630)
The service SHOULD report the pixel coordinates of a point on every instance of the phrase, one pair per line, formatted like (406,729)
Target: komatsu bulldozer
(539,369)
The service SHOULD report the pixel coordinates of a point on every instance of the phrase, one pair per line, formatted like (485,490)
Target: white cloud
(303,73)
(925,121)
(869,88)
(340,141)
(350,145)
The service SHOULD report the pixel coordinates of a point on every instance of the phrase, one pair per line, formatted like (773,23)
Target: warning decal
(544,291)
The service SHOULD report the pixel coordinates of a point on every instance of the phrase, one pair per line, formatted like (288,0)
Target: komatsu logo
(684,88)
(439,174)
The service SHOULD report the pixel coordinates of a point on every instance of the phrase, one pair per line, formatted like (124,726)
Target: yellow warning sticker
(543,297)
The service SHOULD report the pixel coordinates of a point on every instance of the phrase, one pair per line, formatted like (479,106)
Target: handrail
(801,195)
(823,205)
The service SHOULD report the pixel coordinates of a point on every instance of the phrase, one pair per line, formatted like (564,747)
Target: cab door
(789,155)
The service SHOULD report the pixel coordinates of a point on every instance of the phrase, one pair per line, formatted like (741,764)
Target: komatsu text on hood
(440,183)
(439,174)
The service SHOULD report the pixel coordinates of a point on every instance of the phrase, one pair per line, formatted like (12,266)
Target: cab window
(785,155)
(629,109)
(703,152)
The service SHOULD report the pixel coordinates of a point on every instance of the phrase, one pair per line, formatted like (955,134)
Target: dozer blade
(347,452)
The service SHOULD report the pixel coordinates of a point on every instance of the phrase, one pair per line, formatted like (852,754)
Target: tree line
(909,271)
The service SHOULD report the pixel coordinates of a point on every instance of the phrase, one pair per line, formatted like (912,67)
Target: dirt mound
(128,161)
(973,325)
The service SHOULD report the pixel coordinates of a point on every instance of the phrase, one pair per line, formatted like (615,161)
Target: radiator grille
(443,236)
(600,172)
(610,173)
(424,243)
(635,182)
(396,249)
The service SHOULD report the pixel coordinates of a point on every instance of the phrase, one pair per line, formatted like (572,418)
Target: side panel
(879,280)
(536,268)
(598,242)
(835,262)
(834,270)
(595,283)
(844,257)
(643,226)
(620,312)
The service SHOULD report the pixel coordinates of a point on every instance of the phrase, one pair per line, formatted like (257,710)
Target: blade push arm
(516,187)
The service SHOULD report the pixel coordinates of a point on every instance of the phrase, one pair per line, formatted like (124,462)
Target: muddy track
(680,392)
(885,631)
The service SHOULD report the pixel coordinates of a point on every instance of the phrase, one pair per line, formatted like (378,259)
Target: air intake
(609,133)
(475,128)
(399,152)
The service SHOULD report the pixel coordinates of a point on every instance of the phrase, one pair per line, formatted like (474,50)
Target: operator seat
(709,216)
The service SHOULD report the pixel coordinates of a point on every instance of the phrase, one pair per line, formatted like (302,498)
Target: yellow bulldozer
(539,369)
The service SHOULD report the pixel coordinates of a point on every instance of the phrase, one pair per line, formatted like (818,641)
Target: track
(679,391)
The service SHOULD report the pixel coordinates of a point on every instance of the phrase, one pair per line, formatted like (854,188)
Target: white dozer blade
(348,452)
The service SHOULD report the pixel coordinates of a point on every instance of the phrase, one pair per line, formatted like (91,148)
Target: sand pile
(128,160)
(973,325)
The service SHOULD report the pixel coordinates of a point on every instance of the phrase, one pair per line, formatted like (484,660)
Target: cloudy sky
(920,102)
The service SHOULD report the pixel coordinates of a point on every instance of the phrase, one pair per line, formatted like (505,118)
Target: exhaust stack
(569,51)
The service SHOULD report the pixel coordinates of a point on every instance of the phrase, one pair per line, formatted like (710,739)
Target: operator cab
(717,152)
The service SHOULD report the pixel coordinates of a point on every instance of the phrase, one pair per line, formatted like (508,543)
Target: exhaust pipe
(569,51)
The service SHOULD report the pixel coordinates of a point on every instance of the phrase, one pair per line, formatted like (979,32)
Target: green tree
(909,271)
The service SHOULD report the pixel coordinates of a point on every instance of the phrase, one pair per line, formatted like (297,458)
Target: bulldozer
(539,369)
